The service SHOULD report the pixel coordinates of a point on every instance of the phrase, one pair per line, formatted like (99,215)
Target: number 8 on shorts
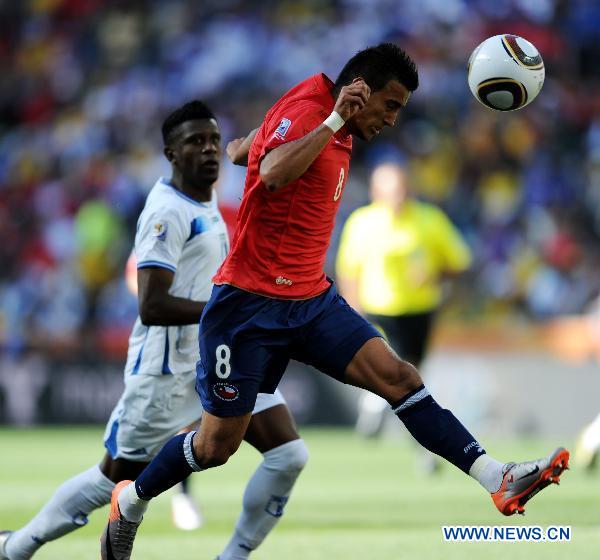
(223,367)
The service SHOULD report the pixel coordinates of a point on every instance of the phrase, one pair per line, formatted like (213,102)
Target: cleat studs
(512,509)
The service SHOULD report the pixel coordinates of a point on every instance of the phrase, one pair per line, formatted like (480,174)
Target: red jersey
(281,239)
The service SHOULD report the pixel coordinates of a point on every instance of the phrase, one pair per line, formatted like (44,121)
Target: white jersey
(189,238)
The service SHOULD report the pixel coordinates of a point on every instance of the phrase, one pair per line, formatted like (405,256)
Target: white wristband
(334,121)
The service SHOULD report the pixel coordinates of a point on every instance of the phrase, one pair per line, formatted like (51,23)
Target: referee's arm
(348,263)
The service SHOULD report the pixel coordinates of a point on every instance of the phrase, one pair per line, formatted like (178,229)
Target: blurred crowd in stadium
(86,83)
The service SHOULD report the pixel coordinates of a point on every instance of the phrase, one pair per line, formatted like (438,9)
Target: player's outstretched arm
(158,307)
(290,161)
(238,149)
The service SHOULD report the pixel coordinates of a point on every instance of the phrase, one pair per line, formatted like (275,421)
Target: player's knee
(399,373)
(214,457)
(398,378)
(296,455)
(289,457)
(213,454)
(215,460)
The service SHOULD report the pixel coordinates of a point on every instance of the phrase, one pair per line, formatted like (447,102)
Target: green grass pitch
(356,499)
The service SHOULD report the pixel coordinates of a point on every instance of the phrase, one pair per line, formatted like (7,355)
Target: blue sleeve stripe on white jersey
(158,264)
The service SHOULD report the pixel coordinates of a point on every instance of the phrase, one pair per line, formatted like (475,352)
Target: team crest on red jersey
(225,391)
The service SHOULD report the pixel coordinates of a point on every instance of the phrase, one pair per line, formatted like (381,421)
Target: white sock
(488,472)
(66,511)
(131,505)
(265,497)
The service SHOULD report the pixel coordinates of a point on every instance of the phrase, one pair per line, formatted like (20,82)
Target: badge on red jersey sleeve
(290,123)
(282,129)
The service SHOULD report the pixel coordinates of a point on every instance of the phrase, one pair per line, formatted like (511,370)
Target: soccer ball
(506,72)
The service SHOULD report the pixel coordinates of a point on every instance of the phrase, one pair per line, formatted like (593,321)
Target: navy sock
(437,429)
(168,468)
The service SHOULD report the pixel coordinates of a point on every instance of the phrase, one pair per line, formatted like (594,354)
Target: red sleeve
(288,123)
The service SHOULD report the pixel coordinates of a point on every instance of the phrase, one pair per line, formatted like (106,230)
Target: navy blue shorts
(247,340)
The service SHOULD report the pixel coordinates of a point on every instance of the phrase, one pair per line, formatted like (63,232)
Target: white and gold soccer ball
(506,72)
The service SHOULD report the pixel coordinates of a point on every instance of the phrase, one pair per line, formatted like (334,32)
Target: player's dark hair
(194,110)
(378,65)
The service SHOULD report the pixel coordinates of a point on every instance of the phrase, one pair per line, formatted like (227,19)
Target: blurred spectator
(84,83)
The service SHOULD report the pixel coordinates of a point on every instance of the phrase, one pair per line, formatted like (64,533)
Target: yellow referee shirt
(398,259)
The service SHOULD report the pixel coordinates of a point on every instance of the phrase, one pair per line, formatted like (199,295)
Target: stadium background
(85,86)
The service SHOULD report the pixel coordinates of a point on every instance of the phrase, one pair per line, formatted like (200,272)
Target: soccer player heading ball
(272,302)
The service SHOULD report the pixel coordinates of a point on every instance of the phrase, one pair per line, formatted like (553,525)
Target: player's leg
(211,446)
(66,511)
(69,507)
(376,367)
(410,340)
(344,345)
(373,411)
(121,469)
(185,511)
(408,335)
(216,439)
(229,375)
(418,334)
(273,433)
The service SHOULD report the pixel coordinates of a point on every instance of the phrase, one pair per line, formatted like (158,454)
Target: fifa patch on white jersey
(159,230)
(282,129)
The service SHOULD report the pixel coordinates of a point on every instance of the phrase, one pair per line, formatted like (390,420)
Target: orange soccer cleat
(522,481)
(116,542)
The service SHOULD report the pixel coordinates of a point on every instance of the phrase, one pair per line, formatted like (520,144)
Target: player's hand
(352,98)
(233,148)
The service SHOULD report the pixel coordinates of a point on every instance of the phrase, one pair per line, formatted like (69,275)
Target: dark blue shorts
(247,340)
